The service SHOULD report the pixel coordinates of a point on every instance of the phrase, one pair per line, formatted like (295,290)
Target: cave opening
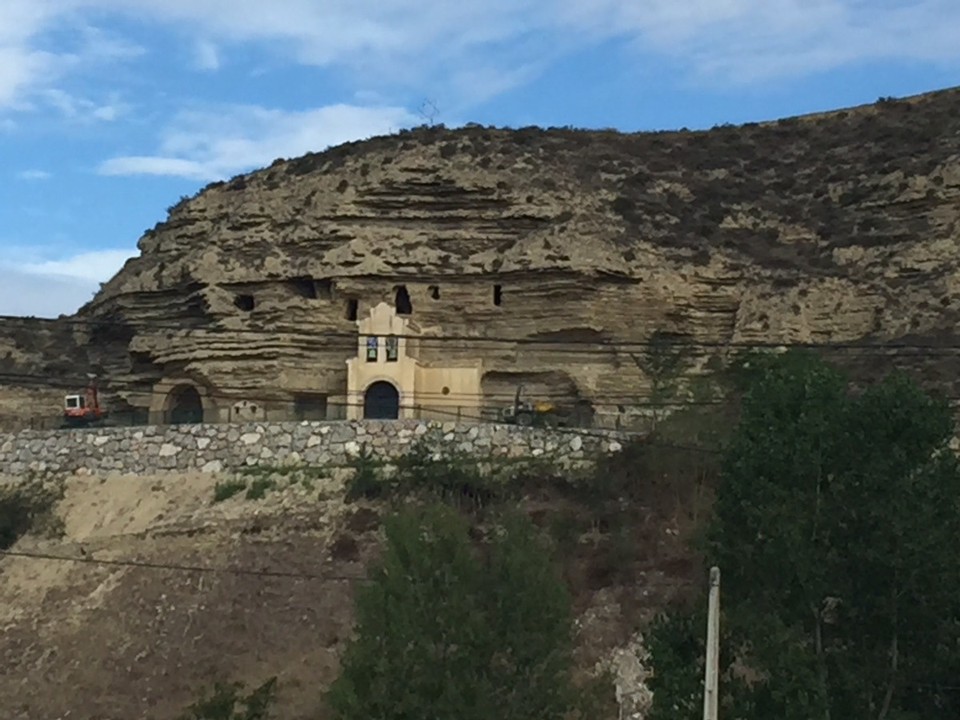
(304,287)
(245,302)
(497,295)
(402,302)
(434,292)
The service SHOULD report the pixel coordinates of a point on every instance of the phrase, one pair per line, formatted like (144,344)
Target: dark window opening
(393,348)
(403,304)
(185,407)
(310,406)
(304,287)
(245,302)
(497,295)
(353,309)
(434,292)
(372,348)
(140,361)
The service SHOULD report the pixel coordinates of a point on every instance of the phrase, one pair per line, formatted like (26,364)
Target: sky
(111,110)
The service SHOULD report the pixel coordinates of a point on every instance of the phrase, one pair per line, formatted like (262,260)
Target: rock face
(837,227)
(39,363)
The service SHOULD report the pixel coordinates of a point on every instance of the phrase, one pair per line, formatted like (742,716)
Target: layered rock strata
(550,254)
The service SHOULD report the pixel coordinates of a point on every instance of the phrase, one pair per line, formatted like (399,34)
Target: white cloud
(26,294)
(207,56)
(465,52)
(20,68)
(220,142)
(49,288)
(30,65)
(82,109)
(748,41)
(424,41)
(34,175)
(94,266)
(156,165)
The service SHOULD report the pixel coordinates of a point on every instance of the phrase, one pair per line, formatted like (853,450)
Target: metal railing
(620,417)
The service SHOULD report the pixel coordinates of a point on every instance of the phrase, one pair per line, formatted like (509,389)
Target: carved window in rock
(393,348)
(373,348)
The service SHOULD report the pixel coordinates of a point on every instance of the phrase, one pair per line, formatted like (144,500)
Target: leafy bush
(367,480)
(29,506)
(226,703)
(834,523)
(449,631)
(227,489)
(446,473)
(429,469)
(259,487)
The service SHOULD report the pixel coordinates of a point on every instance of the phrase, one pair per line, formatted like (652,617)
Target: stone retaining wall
(218,448)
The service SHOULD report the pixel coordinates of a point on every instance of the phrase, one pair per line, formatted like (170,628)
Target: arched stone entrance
(381,401)
(184,406)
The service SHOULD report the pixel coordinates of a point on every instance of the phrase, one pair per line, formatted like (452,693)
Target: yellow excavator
(527,413)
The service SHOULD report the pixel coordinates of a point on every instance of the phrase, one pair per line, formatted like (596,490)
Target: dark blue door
(381,402)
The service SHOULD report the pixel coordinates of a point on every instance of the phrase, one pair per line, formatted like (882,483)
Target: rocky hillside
(833,227)
(135,630)
(40,362)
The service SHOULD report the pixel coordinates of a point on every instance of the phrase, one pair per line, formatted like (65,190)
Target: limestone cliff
(834,227)
(40,362)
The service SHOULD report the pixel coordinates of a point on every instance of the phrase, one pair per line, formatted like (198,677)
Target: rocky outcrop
(830,228)
(40,362)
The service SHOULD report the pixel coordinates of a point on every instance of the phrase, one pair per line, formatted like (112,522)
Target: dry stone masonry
(219,448)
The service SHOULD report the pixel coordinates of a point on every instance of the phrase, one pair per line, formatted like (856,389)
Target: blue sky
(110,110)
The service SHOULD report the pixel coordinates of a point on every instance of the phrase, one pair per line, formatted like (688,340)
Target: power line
(221,391)
(177,567)
(677,341)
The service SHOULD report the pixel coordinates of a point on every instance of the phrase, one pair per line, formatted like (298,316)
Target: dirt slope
(101,642)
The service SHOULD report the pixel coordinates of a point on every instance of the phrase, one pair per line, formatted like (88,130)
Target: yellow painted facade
(386,379)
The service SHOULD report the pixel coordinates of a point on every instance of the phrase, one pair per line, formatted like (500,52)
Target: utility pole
(712,673)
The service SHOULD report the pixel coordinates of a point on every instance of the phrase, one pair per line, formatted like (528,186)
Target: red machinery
(84,410)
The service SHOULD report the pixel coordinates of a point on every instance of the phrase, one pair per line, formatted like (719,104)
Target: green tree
(664,361)
(447,629)
(834,525)
(225,702)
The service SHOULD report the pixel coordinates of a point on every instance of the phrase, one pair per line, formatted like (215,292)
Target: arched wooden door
(381,402)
